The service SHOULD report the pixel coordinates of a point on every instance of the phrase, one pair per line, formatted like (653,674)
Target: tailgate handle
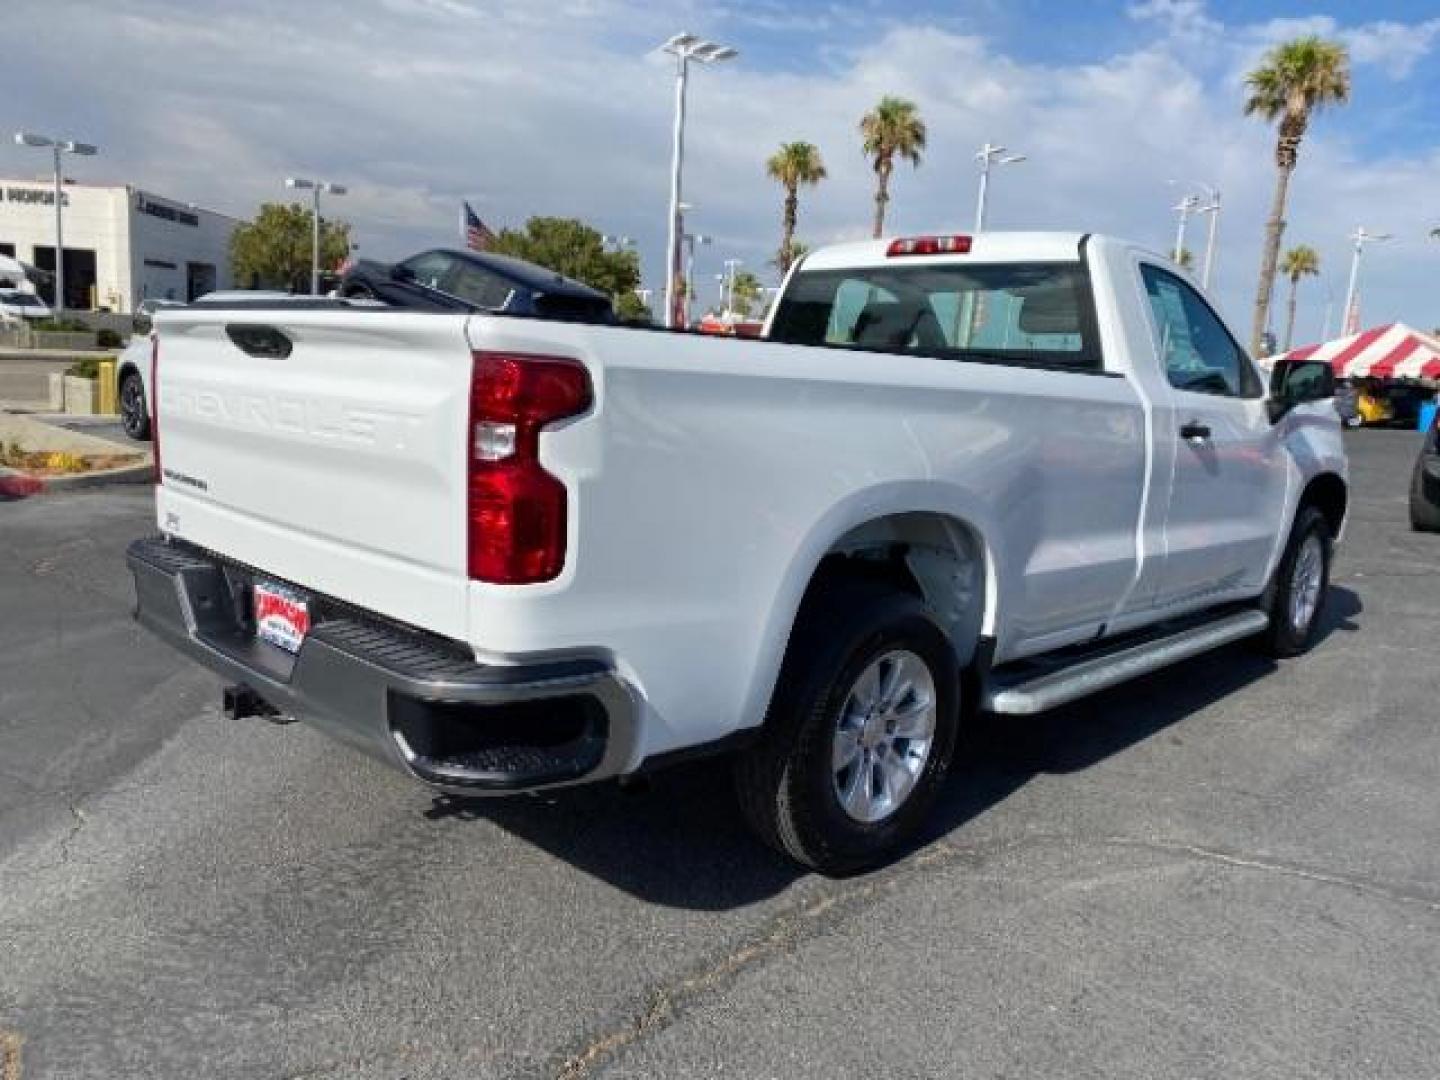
(259,340)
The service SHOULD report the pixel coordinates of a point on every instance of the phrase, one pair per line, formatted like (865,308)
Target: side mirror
(1295,382)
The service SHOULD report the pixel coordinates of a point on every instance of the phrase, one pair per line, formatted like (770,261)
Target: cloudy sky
(563,107)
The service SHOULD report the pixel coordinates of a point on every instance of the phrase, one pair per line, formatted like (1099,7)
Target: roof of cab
(984,247)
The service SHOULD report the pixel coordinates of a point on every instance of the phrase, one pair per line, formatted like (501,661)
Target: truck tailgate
(339,467)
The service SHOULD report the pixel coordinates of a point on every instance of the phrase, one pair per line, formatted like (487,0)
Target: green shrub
(59,325)
(89,368)
(108,339)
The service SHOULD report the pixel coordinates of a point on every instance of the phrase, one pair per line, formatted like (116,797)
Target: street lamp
(731,266)
(689,241)
(1210,206)
(1361,238)
(58,146)
(1329,306)
(1184,207)
(684,47)
(315,187)
(989,156)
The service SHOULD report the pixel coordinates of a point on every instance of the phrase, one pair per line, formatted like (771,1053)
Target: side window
(1197,352)
(430,268)
(478,286)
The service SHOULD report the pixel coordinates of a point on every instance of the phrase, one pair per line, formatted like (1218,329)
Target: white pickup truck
(994,472)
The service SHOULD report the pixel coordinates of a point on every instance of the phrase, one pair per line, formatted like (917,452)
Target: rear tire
(1296,598)
(1424,513)
(134,411)
(860,733)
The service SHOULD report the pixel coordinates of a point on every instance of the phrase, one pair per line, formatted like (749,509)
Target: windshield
(1022,312)
(19,299)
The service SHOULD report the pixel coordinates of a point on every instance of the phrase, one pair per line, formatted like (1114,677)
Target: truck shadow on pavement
(678,839)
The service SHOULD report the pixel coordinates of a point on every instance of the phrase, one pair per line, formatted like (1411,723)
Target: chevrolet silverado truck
(956,473)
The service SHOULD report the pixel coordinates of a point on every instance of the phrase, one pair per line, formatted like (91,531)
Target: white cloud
(1181,18)
(1397,47)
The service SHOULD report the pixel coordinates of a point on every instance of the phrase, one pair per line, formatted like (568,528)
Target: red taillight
(929,245)
(154,403)
(516,508)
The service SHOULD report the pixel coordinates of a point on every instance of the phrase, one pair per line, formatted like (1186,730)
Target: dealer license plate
(282,615)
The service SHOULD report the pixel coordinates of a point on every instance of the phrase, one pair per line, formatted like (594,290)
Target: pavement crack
(1261,864)
(78,823)
(800,923)
(816,915)
(78,820)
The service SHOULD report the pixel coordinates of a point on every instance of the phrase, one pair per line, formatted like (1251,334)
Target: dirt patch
(60,464)
(9,1055)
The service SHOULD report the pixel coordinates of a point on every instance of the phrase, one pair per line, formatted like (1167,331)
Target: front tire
(1297,594)
(134,413)
(860,734)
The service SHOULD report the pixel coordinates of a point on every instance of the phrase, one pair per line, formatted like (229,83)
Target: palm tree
(1294,80)
(892,129)
(795,163)
(744,292)
(798,250)
(1300,261)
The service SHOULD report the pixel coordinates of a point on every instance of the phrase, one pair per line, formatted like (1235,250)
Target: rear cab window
(1037,314)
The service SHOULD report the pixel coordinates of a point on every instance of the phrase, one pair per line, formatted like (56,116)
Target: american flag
(477,235)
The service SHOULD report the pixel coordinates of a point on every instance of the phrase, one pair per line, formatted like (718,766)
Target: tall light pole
(731,265)
(990,156)
(58,146)
(1329,306)
(1184,208)
(1213,209)
(684,47)
(1360,237)
(1210,206)
(315,187)
(683,306)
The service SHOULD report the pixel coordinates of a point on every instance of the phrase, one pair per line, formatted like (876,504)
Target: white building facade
(122,244)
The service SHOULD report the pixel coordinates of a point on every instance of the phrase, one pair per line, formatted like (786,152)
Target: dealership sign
(166,212)
(35,196)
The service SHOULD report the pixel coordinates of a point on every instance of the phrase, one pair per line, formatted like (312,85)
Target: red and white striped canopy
(1395,351)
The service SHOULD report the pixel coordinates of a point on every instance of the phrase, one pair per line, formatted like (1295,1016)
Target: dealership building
(122,244)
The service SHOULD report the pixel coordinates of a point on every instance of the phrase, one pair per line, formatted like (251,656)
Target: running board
(1085,677)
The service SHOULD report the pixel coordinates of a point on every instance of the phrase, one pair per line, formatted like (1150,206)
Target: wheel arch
(1329,494)
(925,540)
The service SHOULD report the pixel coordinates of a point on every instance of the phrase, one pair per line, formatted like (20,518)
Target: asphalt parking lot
(1226,870)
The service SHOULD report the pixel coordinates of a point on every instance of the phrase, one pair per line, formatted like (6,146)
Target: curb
(19,485)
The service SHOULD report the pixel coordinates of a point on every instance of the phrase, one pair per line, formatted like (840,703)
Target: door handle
(1194,431)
